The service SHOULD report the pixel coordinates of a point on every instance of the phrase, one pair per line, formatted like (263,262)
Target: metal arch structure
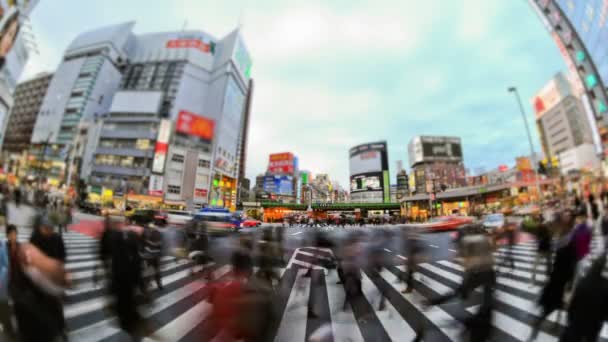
(595,98)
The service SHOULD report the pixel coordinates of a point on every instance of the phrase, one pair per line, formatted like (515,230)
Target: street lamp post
(534,161)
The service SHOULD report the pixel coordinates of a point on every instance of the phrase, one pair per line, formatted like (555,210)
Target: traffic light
(541,168)
(580,56)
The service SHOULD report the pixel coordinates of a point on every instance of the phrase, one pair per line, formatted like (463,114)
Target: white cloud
(477,18)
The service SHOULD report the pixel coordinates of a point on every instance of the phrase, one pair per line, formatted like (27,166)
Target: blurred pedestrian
(198,245)
(588,307)
(562,274)
(151,251)
(125,279)
(478,272)
(51,244)
(543,250)
(5,309)
(413,247)
(226,300)
(510,234)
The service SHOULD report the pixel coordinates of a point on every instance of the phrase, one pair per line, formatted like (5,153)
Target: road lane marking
(434,246)
(388,250)
(453,250)
(298,233)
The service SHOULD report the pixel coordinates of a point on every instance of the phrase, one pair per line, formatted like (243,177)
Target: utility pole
(533,154)
(41,159)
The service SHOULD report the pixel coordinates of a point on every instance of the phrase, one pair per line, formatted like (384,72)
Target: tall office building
(166,113)
(28,98)
(560,117)
(436,162)
(579,30)
(81,89)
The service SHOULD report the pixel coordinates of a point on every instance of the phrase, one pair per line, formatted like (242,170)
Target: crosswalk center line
(293,322)
(394,325)
(107,327)
(344,324)
(433,314)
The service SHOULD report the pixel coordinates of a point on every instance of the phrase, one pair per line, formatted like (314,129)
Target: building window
(142,144)
(77,93)
(178,158)
(203,163)
(174,189)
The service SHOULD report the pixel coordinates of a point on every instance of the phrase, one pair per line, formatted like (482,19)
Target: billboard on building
(551,94)
(368,165)
(192,124)
(162,146)
(431,148)
(279,185)
(366,182)
(282,163)
(155,187)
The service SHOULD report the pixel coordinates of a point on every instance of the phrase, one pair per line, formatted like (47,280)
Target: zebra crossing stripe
(180,326)
(344,324)
(296,311)
(395,326)
(435,315)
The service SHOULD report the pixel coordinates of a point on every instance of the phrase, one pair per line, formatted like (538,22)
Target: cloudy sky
(333,74)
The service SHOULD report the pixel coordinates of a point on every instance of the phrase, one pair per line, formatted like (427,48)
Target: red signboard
(189,43)
(281,163)
(192,124)
(200,192)
(503,168)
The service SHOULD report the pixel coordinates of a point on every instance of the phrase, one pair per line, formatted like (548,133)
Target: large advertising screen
(368,158)
(278,185)
(366,182)
(192,124)
(426,148)
(282,163)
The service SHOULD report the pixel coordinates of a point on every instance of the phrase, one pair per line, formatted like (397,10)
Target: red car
(250,223)
(447,222)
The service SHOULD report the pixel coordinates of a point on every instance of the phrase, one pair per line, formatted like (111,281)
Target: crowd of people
(33,277)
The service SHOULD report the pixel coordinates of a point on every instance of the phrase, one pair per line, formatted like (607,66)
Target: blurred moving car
(112,211)
(250,223)
(178,217)
(147,216)
(90,208)
(493,222)
(217,220)
(446,223)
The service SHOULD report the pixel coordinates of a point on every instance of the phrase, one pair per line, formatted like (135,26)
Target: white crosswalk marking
(177,313)
(391,320)
(344,324)
(296,312)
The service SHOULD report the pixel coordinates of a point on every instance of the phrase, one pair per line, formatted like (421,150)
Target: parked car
(250,223)
(178,217)
(147,216)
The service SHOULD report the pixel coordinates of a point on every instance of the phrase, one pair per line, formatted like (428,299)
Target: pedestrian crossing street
(305,304)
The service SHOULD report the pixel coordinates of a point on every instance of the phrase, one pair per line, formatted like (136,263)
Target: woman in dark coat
(561,276)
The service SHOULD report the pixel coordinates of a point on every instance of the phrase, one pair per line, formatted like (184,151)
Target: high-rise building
(369,176)
(28,98)
(174,121)
(580,32)
(17,44)
(436,162)
(560,118)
